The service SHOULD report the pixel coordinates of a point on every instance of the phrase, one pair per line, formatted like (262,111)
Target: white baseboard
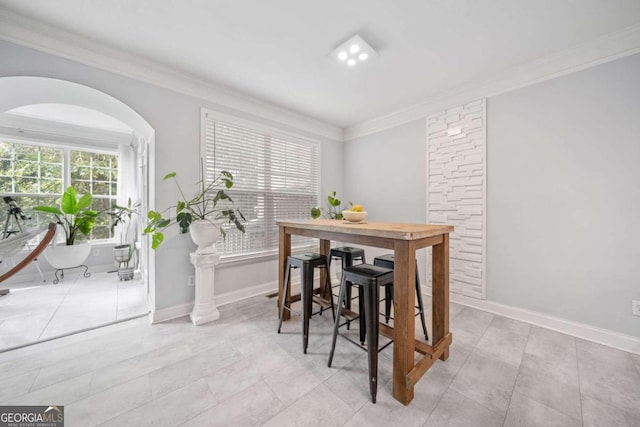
(580,330)
(229,297)
(180,310)
(169,313)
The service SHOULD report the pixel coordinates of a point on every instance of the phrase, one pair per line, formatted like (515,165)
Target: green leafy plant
(73,214)
(334,210)
(122,215)
(211,203)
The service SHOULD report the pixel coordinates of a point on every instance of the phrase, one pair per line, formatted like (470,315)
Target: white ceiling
(278,50)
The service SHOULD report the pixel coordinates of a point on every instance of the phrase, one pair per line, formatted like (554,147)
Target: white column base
(204,313)
(204,308)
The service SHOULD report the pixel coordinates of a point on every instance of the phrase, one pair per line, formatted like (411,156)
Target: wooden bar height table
(404,240)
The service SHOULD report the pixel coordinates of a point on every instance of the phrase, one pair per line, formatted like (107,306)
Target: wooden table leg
(284,250)
(404,323)
(325,249)
(440,289)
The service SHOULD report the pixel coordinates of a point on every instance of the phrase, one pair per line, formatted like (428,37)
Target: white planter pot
(63,256)
(205,234)
(122,254)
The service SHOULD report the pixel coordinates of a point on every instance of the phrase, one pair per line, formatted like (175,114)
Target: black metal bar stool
(307,263)
(388,261)
(369,278)
(347,255)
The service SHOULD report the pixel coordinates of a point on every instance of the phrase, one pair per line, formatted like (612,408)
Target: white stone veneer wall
(456,191)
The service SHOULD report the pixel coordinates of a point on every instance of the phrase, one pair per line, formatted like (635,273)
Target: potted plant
(123,252)
(201,215)
(74,216)
(334,210)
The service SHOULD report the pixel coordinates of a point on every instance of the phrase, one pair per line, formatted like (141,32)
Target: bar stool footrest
(321,302)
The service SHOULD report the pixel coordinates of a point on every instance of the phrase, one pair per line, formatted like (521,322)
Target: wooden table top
(390,230)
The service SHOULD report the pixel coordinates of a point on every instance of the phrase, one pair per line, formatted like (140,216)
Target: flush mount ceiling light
(353,52)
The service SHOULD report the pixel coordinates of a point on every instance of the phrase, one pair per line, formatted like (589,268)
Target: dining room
(422,213)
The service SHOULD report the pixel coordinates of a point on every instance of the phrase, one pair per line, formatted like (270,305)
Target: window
(96,173)
(36,175)
(276,176)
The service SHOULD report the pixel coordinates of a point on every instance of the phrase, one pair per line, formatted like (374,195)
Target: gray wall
(176,120)
(563,197)
(385,173)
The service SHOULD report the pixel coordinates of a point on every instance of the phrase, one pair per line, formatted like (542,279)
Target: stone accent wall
(456,191)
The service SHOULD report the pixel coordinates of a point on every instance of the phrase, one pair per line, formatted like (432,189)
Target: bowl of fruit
(354,214)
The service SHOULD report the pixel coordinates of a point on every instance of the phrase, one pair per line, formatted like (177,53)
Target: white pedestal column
(204,309)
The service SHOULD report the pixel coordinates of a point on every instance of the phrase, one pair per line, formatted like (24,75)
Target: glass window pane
(80,172)
(26,152)
(5,150)
(49,170)
(51,186)
(26,168)
(101,232)
(6,184)
(100,188)
(82,187)
(80,158)
(26,171)
(102,160)
(26,185)
(100,204)
(102,229)
(100,174)
(51,155)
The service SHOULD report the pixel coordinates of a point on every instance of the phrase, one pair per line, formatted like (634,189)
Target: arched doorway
(22,92)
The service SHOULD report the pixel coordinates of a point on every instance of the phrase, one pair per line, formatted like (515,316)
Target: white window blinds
(276,177)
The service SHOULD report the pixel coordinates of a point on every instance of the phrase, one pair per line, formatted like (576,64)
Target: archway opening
(73,119)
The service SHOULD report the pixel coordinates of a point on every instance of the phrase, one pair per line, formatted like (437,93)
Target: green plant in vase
(73,214)
(123,253)
(333,210)
(211,204)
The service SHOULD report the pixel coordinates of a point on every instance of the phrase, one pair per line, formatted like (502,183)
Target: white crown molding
(37,35)
(580,330)
(598,51)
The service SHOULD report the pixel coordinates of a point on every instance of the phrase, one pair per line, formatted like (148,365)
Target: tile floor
(35,311)
(239,372)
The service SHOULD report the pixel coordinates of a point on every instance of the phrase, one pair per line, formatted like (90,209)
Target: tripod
(15,215)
